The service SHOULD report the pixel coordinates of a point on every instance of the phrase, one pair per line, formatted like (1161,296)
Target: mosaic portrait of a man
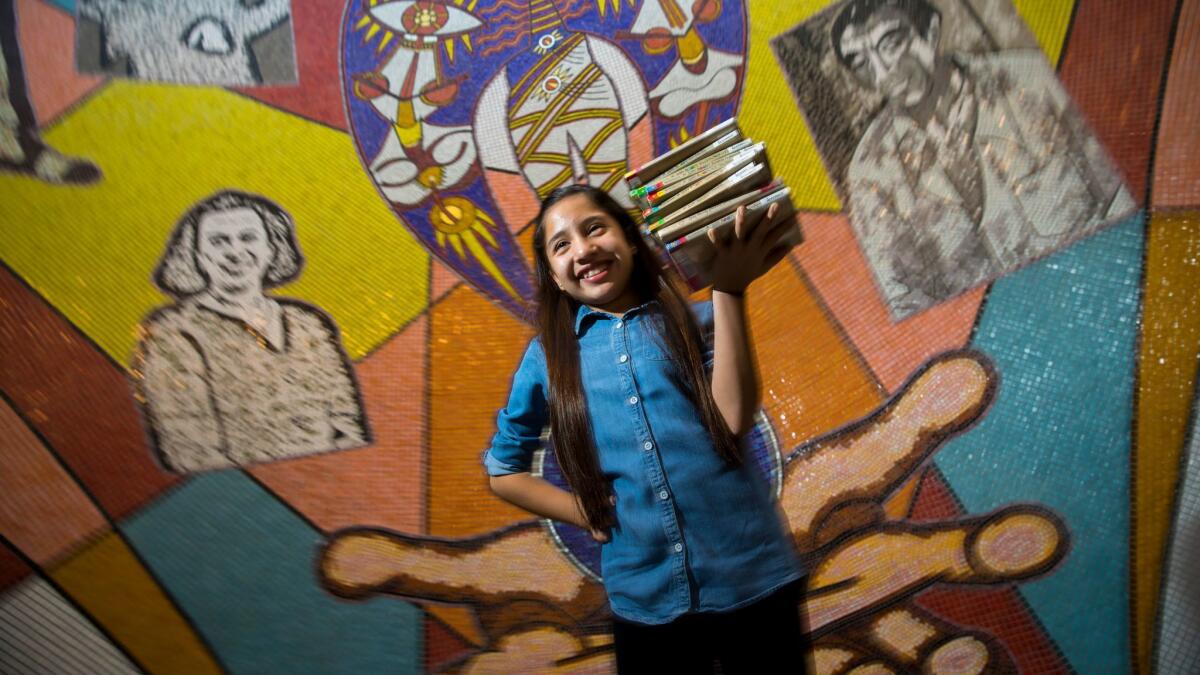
(956,151)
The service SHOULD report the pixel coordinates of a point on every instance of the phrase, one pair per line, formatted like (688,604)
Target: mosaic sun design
(467,114)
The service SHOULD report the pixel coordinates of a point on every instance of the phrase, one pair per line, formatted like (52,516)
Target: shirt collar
(584,312)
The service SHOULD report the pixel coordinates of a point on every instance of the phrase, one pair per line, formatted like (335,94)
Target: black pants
(763,637)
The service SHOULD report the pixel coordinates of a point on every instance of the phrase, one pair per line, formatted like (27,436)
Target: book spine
(683,177)
(706,164)
(694,260)
(701,184)
(672,230)
(680,152)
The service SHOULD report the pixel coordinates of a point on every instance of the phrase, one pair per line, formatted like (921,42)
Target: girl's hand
(601,535)
(748,252)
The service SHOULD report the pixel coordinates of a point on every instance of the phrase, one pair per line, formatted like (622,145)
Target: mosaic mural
(227,374)
(970,158)
(198,41)
(255,335)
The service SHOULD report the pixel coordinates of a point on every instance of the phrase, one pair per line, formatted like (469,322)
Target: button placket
(653,464)
(619,344)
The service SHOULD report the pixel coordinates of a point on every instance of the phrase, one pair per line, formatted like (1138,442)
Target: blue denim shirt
(692,534)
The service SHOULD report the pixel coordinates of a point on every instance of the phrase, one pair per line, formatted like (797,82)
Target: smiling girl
(647,399)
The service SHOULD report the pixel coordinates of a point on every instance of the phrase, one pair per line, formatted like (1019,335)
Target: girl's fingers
(779,230)
(717,240)
(739,223)
(768,223)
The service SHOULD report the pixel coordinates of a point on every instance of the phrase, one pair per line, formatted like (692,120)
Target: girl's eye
(558,245)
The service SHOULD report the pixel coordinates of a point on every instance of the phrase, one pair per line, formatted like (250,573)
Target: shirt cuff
(497,468)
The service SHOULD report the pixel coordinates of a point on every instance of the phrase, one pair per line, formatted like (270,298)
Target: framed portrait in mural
(225,42)
(228,374)
(952,144)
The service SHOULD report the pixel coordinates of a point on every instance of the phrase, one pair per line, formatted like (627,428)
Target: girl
(696,560)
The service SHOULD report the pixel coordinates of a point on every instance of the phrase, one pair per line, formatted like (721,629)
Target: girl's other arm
(541,498)
(518,431)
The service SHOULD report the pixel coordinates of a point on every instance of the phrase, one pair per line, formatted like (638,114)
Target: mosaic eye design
(423,19)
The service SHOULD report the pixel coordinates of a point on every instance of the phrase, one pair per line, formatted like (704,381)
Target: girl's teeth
(594,272)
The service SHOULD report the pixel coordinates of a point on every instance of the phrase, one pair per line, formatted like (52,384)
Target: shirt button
(624,358)
(620,323)
(678,548)
(647,445)
(662,494)
(633,399)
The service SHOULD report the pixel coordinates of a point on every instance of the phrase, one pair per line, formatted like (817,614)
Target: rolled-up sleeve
(519,425)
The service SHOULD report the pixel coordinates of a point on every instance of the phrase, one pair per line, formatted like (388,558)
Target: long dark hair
(570,429)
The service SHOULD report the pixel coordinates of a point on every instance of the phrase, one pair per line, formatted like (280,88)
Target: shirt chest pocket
(651,348)
(650,342)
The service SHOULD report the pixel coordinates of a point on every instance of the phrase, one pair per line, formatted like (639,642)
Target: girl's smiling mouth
(596,273)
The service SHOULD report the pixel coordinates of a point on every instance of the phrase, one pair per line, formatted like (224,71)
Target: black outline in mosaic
(283,502)
(80,333)
(119,532)
(75,106)
(37,572)
(851,346)
(1148,212)
(983,303)
(174,284)
(1135,451)
(1066,37)
(233,89)
(121,371)
(149,502)
(1192,427)
(1159,99)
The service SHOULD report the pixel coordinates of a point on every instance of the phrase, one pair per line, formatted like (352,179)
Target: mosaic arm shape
(863,569)
(866,569)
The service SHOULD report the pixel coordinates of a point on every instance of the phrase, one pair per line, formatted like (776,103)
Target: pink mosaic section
(47,35)
(835,265)
(43,511)
(382,484)
(1176,171)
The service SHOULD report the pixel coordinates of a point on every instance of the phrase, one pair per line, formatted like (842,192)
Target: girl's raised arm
(741,258)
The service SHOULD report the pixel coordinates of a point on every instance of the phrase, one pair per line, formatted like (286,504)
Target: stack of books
(697,186)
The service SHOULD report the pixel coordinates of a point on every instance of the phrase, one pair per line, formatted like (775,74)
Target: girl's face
(589,257)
